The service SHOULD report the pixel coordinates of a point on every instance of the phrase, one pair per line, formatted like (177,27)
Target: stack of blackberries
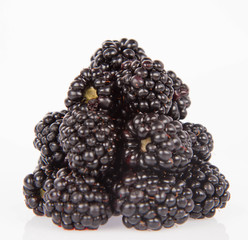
(120,148)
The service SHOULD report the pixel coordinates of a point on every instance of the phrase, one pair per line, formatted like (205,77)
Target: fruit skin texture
(157,142)
(145,87)
(202,141)
(121,149)
(89,139)
(148,201)
(76,201)
(113,53)
(102,88)
(33,186)
(181,100)
(46,138)
(209,186)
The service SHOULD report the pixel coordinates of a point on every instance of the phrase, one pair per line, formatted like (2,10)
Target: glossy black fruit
(148,201)
(95,87)
(202,141)
(157,142)
(209,187)
(76,201)
(113,53)
(89,139)
(33,186)
(145,87)
(46,138)
(181,100)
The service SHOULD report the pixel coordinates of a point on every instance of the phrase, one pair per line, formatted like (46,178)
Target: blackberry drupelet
(76,201)
(150,201)
(46,140)
(113,53)
(95,87)
(157,142)
(181,100)
(145,87)
(33,187)
(202,141)
(89,139)
(209,186)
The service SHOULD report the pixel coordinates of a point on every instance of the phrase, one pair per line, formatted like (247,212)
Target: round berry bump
(95,87)
(209,187)
(181,100)
(76,201)
(145,87)
(202,141)
(150,201)
(46,138)
(155,141)
(89,139)
(111,56)
(34,187)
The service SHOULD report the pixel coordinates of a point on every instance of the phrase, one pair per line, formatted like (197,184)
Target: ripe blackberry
(157,142)
(209,186)
(95,87)
(149,201)
(76,201)
(89,139)
(33,186)
(145,87)
(113,176)
(46,140)
(113,53)
(202,141)
(181,100)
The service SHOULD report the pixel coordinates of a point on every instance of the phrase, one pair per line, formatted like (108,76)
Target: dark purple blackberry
(149,201)
(145,87)
(113,176)
(157,142)
(209,186)
(33,188)
(89,139)
(95,87)
(46,140)
(113,53)
(181,100)
(76,201)
(202,141)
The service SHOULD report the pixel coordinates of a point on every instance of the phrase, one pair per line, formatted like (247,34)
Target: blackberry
(89,139)
(33,186)
(113,53)
(95,87)
(181,100)
(46,140)
(76,201)
(202,141)
(209,186)
(150,201)
(113,176)
(157,142)
(145,87)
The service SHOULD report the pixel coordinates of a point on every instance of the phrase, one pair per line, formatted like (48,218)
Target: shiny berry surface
(148,201)
(77,202)
(157,142)
(209,187)
(89,139)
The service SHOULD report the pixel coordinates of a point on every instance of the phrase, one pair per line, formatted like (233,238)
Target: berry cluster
(120,148)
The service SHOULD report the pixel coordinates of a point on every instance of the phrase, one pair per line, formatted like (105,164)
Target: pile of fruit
(120,148)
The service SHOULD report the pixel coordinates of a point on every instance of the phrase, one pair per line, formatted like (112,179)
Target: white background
(45,44)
